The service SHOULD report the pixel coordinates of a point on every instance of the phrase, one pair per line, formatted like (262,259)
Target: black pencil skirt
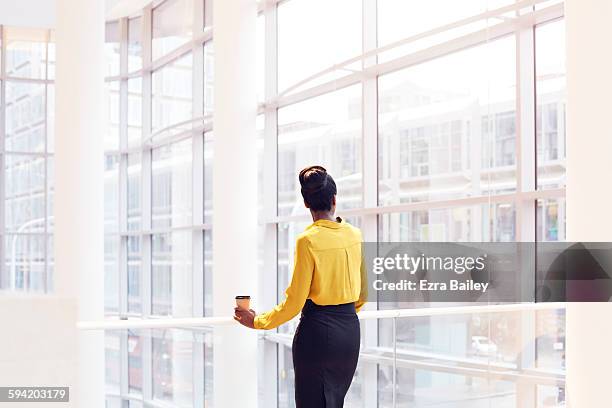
(325,354)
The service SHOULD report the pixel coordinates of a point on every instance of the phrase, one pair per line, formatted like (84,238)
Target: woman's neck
(322,215)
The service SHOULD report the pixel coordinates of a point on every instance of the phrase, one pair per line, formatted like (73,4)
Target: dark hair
(318,188)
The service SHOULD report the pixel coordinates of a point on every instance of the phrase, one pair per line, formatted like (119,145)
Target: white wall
(589,196)
(79,182)
(41,13)
(234,240)
(38,342)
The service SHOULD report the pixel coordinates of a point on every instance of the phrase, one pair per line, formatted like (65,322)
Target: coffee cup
(243,302)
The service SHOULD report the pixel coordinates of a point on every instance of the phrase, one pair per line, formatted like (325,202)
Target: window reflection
(551,100)
(112,48)
(134,44)
(25,263)
(209,77)
(134,110)
(111,193)
(111,100)
(449,133)
(209,157)
(112,362)
(478,223)
(26,53)
(25,111)
(172,94)
(172,366)
(134,168)
(172,26)
(111,274)
(135,373)
(171,185)
(25,184)
(171,282)
(301,55)
(550,219)
(326,131)
(134,277)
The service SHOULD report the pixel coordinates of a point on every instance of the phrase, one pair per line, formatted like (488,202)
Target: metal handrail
(219,321)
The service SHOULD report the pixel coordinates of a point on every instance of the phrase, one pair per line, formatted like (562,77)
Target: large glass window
(399,20)
(171,280)
(303,50)
(25,117)
(111,48)
(551,102)
(134,274)
(135,372)
(449,133)
(171,185)
(134,44)
(477,223)
(424,143)
(209,66)
(111,101)
(435,121)
(172,94)
(172,25)
(134,111)
(134,191)
(157,246)
(172,367)
(27,169)
(26,53)
(111,274)
(325,130)
(112,352)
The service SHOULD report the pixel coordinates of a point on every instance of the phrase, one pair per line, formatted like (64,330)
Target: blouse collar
(330,224)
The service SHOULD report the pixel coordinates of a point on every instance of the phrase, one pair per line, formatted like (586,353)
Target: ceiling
(41,13)
(122,8)
(28,13)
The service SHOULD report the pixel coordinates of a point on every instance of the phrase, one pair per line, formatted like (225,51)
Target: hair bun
(313,178)
(318,188)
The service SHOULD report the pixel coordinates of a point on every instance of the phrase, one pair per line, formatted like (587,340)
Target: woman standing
(329,287)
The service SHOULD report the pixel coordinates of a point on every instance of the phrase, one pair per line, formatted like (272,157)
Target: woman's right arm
(296,293)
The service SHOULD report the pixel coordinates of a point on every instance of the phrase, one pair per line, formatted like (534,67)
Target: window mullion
(269,274)
(122,210)
(3,270)
(525,209)
(145,202)
(197,195)
(369,157)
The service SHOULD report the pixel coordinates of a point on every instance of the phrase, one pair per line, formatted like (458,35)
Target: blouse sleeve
(363,295)
(297,292)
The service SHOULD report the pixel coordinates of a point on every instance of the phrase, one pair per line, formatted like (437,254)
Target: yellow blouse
(329,269)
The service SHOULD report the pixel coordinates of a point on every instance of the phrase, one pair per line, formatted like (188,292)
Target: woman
(329,286)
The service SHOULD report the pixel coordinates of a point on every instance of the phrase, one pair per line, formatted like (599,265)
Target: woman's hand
(245,317)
